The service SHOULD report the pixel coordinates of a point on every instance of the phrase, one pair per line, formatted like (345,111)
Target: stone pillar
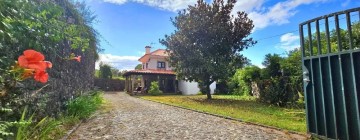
(132,82)
(125,84)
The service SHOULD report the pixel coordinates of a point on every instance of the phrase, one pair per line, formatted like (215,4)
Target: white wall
(152,64)
(191,88)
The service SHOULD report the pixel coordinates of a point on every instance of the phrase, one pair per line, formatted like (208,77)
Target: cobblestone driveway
(133,118)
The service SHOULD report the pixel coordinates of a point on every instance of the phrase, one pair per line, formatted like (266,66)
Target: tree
(207,43)
(138,67)
(272,64)
(105,71)
(115,72)
(292,68)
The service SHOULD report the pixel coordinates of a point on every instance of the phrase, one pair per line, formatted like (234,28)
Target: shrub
(240,83)
(84,106)
(154,89)
(277,91)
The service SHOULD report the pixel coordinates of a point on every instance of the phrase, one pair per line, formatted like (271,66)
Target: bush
(84,106)
(240,83)
(278,91)
(154,89)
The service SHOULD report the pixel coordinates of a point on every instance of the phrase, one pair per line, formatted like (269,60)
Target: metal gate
(331,69)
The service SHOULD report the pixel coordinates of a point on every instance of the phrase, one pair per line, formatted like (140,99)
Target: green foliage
(291,67)
(6,127)
(334,44)
(83,106)
(105,71)
(54,28)
(281,80)
(240,83)
(207,43)
(154,88)
(40,130)
(138,67)
(277,91)
(272,64)
(97,73)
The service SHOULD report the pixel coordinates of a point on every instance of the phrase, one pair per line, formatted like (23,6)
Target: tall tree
(138,67)
(272,64)
(105,71)
(207,43)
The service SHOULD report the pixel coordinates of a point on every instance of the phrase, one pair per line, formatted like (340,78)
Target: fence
(110,84)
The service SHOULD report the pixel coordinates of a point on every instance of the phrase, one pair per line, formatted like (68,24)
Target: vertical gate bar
(301,30)
(338,32)
(314,95)
(303,55)
(327,35)
(312,76)
(310,39)
(321,76)
(348,21)
(318,37)
(330,71)
(341,73)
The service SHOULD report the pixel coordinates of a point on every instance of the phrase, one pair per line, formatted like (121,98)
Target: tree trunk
(208,93)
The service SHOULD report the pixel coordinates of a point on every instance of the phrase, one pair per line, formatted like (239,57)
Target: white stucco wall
(152,64)
(191,88)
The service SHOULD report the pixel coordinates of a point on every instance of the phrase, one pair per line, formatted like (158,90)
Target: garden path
(134,118)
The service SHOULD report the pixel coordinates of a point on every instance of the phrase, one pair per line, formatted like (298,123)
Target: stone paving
(132,118)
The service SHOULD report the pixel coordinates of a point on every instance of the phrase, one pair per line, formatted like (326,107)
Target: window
(161,65)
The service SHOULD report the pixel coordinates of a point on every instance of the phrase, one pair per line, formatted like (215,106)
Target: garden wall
(110,84)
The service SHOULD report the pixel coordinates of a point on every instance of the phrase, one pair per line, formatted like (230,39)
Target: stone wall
(110,84)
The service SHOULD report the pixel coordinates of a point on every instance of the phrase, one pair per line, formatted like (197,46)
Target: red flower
(33,60)
(48,64)
(41,76)
(78,58)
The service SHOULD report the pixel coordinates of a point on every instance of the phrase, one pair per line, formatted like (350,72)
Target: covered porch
(141,79)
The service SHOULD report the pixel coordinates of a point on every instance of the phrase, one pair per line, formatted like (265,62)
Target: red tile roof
(150,71)
(158,52)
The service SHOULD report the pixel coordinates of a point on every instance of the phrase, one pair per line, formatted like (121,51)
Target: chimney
(147,49)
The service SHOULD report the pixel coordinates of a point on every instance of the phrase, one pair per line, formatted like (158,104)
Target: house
(155,67)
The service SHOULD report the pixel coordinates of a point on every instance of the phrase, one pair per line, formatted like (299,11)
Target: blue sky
(127,26)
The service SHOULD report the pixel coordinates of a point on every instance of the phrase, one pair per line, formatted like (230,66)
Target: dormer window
(160,64)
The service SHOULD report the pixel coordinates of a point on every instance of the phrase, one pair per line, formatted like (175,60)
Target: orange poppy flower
(32,60)
(41,76)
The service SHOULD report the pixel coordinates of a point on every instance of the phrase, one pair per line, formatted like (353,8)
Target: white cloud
(116,1)
(247,6)
(262,16)
(277,14)
(171,5)
(119,62)
(288,42)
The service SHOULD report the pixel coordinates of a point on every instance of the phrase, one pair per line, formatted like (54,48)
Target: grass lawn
(245,109)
